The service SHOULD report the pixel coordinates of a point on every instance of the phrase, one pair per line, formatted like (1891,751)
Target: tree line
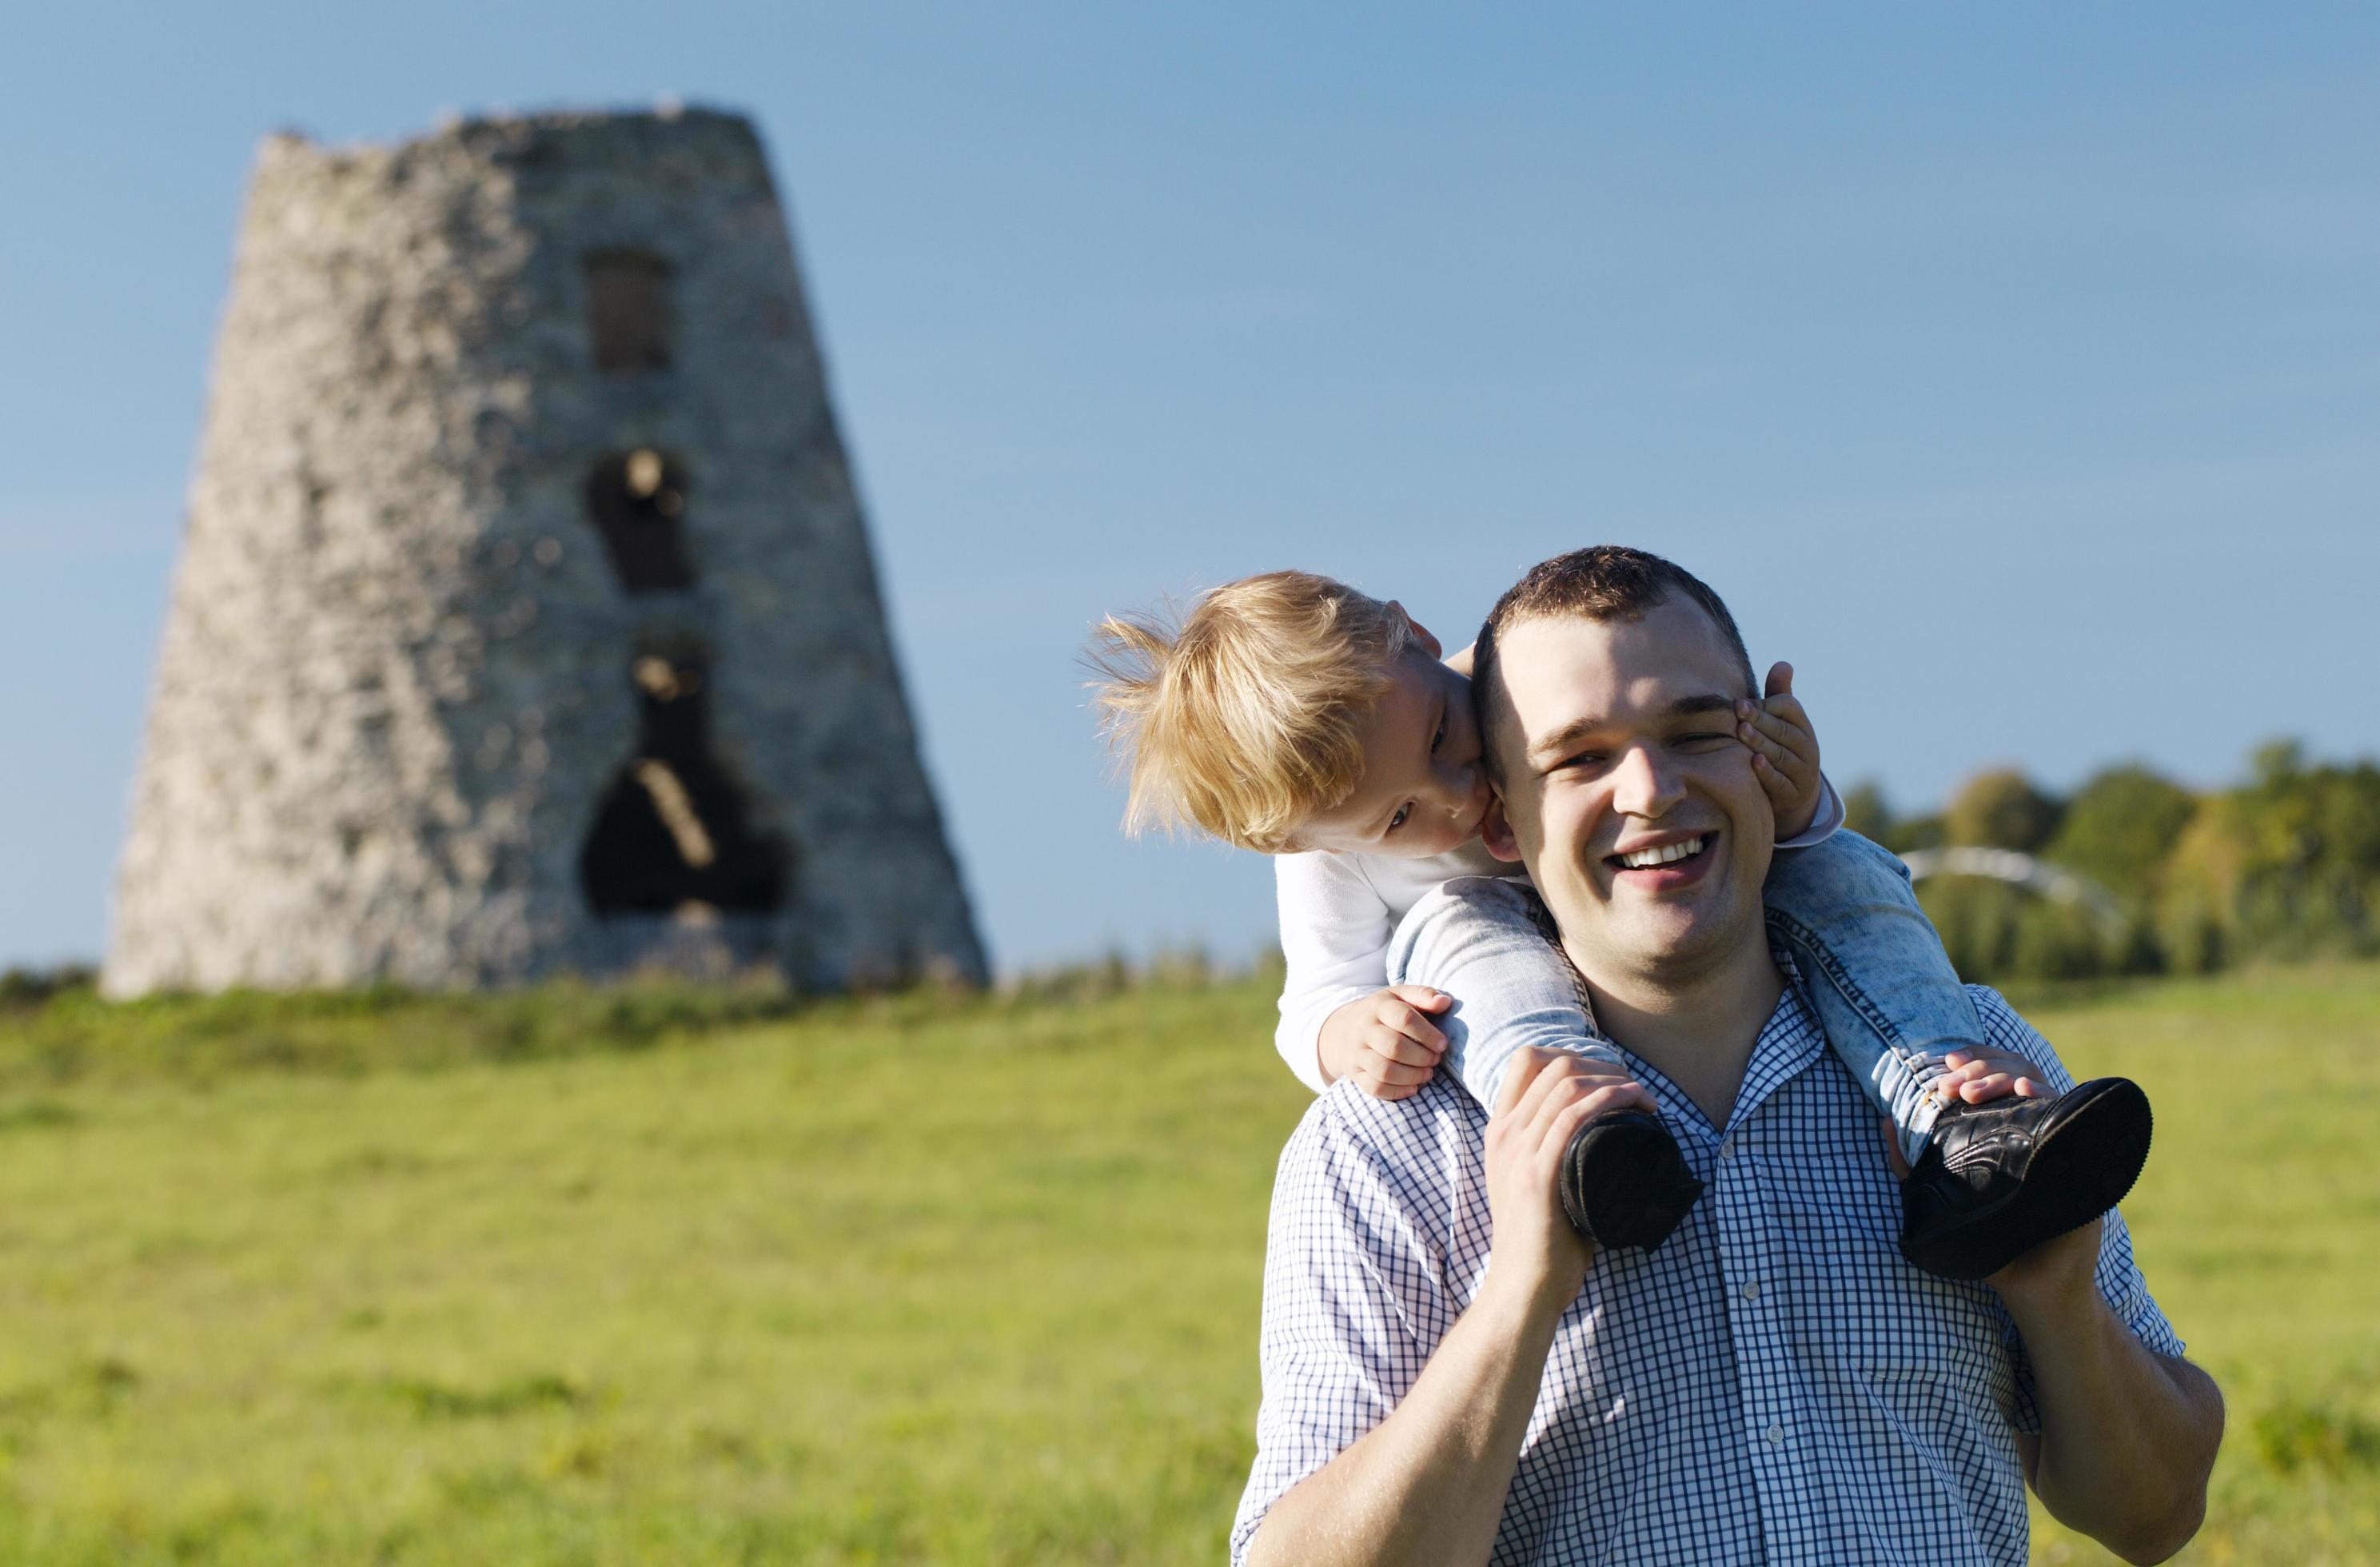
(2284,865)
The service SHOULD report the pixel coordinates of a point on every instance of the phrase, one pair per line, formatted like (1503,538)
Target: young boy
(1290,714)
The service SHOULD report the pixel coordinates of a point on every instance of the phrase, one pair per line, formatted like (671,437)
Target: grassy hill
(652,1276)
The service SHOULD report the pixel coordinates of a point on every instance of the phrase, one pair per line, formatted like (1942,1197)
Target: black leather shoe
(1623,1181)
(2002,1177)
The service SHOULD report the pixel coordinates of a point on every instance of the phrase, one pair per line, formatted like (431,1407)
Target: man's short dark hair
(1600,582)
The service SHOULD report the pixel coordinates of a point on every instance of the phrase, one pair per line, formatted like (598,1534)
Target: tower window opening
(674,832)
(637,503)
(629,311)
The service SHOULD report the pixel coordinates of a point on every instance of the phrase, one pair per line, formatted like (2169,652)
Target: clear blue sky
(2015,370)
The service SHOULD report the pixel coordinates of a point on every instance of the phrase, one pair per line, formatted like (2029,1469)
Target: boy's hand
(1977,1076)
(1784,752)
(1974,1076)
(1386,1040)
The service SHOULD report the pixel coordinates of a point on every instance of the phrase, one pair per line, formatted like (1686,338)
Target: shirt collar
(1790,1041)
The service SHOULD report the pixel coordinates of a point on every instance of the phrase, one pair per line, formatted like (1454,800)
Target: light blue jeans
(1883,987)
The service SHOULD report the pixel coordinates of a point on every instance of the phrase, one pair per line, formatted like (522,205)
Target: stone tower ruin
(525,620)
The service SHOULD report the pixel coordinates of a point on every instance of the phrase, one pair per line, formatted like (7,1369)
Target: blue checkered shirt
(1775,1384)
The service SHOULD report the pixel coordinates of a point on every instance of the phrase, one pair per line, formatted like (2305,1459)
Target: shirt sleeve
(1337,1345)
(1825,824)
(2118,1274)
(1334,943)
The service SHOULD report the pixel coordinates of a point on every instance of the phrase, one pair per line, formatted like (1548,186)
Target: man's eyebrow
(1561,740)
(1709,701)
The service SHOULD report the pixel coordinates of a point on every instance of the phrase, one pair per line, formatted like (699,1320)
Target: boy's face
(1423,790)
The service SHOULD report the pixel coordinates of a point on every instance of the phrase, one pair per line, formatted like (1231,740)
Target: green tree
(2286,865)
(1976,918)
(1995,932)
(1865,812)
(2120,828)
(1914,832)
(2001,810)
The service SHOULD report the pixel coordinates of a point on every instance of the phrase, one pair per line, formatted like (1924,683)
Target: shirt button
(1727,1148)
(1752,1291)
(1776,1434)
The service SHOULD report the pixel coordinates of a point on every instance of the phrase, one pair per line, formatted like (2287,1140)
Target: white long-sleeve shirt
(1339,910)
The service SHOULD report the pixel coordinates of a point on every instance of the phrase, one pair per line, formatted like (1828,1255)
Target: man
(1451,1371)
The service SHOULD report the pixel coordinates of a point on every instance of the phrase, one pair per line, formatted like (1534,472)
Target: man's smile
(1658,863)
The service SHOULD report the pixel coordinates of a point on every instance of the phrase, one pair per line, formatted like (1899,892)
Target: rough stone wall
(395,683)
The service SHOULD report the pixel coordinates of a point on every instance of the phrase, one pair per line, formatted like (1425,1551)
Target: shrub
(2001,810)
(1996,932)
(2288,866)
(2120,828)
(1865,812)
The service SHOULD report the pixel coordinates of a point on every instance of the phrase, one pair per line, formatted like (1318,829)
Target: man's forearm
(1427,1484)
(2127,1436)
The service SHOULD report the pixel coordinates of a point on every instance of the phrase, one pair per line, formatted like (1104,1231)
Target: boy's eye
(1398,820)
(1440,739)
(1705,741)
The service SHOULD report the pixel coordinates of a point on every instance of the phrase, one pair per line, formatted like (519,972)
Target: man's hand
(2058,1274)
(1426,1486)
(1784,752)
(2127,1436)
(1546,1097)
(1386,1040)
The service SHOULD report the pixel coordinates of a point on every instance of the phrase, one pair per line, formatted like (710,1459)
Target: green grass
(675,1277)
(2259,1229)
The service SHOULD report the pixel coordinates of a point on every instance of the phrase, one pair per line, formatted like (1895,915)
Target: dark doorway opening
(673,830)
(629,311)
(636,501)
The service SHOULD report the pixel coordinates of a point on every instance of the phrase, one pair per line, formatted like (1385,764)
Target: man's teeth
(1668,854)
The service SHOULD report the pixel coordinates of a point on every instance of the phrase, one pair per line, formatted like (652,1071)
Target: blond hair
(1243,719)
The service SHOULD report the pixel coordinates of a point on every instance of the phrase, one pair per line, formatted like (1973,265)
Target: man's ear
(1496,831)
(1421,632)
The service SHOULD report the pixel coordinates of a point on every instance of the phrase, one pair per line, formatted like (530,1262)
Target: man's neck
(1697,1031)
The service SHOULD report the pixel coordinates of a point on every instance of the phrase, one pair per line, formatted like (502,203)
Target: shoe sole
(2085,1165)
(1637,1188)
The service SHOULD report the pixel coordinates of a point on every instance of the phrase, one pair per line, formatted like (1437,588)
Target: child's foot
(1623,1181)
(2003,1176)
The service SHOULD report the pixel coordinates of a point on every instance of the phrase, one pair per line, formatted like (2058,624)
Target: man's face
(1424,789)
(1626,791)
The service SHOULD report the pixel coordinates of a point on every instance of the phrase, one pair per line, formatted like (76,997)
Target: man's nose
(1643,785)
